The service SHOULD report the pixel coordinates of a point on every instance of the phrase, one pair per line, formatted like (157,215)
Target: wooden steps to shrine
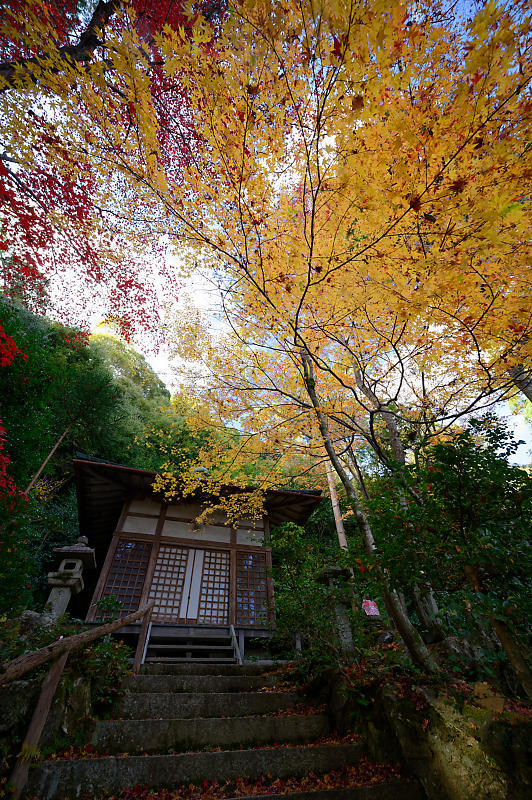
(185,724)
(177,644)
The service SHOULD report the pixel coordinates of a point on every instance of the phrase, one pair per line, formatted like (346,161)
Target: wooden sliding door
(189,585)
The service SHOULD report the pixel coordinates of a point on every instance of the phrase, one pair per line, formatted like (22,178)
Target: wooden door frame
(157,539)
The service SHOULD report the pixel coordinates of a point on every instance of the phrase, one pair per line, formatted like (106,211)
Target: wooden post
(154,554)
(142,638)
(270,599)
(91,614)
(232,586)
(19,776)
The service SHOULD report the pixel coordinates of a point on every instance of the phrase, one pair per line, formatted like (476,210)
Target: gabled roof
(103,487)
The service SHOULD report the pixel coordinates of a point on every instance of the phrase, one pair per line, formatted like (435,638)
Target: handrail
(19,666)
(142,641)
(58,651)
(236,648)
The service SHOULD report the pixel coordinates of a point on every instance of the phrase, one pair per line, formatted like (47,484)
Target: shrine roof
(103,486)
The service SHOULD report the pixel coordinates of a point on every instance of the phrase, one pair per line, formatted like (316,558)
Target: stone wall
(470,754)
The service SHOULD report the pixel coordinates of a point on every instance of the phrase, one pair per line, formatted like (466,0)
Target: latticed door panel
(214,594)
(127,573)
(167,583)
(251,589)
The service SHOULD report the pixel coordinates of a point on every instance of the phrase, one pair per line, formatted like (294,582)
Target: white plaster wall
(140,524)
(193,510)
(245,536)
(145,507)
(183,530)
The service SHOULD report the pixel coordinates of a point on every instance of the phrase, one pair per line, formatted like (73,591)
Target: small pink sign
(370,608)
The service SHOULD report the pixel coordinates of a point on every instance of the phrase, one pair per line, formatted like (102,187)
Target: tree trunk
(513,654)
(396,608)
(428,611)
(522,379)
(423,599)
(413,641)
(14,71)
(509,646)
(340,530)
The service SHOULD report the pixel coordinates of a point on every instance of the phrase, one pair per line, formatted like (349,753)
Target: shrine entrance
(190,586)
(207,577)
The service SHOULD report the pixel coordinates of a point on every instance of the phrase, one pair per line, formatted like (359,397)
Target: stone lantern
(68,579)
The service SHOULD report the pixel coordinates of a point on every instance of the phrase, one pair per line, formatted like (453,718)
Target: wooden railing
(234,642)
(57,652)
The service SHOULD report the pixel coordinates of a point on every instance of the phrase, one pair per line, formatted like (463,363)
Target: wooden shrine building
(207,583)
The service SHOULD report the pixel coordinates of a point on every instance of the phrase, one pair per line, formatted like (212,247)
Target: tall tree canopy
(329,158)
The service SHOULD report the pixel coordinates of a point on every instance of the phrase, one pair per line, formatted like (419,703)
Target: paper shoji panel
(127,573)
(167,583)
(214,596)
(251,589)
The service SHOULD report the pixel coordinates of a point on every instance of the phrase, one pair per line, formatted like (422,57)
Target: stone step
(192,668)
(396,790)
(198,683)
(159,705)
(56,780)
(160,735)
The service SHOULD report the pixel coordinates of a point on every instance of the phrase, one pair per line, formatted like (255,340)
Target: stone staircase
(169,727)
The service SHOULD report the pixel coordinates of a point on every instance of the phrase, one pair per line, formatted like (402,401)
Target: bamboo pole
(48,457)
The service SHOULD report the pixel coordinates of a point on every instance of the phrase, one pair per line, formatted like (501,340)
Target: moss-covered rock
(461,755)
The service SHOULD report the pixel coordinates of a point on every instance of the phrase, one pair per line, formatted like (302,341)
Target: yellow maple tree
(355,180)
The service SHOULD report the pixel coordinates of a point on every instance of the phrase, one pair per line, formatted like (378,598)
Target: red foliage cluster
(34,247)
(77,340)
(153,15)
(9,349)
(48,216)
(10,494)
